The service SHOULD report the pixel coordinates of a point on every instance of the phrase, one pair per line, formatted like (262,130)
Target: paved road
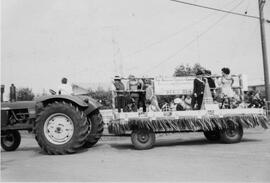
(177,157)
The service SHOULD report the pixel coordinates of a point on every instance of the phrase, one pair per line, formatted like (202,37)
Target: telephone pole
(264,53)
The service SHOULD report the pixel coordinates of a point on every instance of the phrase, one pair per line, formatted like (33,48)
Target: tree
(25,94)
(102,96)
(187,70)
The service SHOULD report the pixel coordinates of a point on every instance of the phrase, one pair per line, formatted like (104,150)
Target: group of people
(225,97)
(137,94)
(253,99)
(225,83)
(180,103)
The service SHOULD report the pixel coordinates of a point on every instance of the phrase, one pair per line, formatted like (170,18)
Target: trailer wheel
(61,128)
(212,135)
(143,139)
(10,140)
(232,134)
(96,126)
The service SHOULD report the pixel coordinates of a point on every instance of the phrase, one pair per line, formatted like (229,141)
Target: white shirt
(65,89)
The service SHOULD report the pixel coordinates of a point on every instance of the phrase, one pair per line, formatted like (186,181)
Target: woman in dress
(226,82)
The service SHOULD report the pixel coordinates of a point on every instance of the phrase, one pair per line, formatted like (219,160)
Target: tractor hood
(18,105)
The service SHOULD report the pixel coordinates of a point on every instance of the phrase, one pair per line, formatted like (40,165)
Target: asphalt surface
(175,157)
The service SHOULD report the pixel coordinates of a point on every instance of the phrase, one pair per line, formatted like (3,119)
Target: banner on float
(174,85)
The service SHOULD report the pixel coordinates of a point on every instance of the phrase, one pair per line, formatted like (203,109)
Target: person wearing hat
(65,88)
(119,87)
(133,86)
(198,90)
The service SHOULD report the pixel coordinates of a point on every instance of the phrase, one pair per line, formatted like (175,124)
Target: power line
(194,39)
(171,35)
(215,9)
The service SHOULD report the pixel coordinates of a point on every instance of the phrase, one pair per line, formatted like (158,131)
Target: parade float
(217,123)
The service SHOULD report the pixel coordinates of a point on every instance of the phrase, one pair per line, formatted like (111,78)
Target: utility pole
(117,62)
(264,54)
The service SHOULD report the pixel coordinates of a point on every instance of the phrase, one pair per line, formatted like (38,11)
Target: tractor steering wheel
(52,92)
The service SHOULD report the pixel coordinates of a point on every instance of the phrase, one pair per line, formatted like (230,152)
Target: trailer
(217,124)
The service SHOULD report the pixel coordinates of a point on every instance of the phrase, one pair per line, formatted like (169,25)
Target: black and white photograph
(135,91)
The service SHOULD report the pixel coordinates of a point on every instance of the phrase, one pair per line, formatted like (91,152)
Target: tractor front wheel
(10,140)
(143,139)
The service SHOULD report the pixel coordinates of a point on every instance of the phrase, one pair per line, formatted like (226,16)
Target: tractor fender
(86,102)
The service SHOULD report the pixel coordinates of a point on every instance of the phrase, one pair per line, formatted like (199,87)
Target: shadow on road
(39,151)
(176,142)
(250,140)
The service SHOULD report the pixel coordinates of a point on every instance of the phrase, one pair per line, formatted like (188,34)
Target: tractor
(62,124)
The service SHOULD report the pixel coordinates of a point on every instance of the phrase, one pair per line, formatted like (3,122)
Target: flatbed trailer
(220,125)
(217,124)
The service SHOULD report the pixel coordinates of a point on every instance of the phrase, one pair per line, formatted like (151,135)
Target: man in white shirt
(65,88)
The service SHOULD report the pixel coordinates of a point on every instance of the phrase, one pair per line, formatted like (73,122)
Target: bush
(25,94)
(102,96)
(186,70)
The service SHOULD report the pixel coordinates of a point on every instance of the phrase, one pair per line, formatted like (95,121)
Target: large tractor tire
(96,127)
(232,134)
(212,136)
(143,139)
(10,140)
(61,128)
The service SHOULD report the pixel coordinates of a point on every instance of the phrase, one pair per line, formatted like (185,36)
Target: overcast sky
(87,40)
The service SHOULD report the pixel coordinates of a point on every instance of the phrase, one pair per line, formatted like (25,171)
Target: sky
(90,41)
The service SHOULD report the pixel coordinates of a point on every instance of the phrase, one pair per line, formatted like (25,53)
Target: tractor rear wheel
(96,126)
(143,139)
(232,134)
(61,128)
(10,140)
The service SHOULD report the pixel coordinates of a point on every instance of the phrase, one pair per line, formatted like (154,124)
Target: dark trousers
(197,100)
(119,102)
(142,101)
